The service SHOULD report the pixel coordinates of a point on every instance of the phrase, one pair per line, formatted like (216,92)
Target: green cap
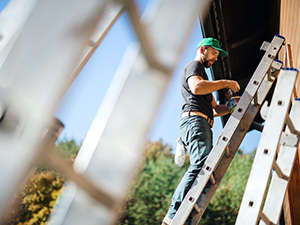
(214,43)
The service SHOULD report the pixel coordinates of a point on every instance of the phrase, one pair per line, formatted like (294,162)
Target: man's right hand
(233,85)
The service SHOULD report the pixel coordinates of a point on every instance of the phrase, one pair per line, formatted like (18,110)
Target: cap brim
(222,52)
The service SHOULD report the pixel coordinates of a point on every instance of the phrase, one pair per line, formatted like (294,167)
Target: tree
(151,193)
(67,148)
(36,200)
(225,204)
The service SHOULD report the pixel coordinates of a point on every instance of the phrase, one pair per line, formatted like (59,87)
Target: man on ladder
(199,108)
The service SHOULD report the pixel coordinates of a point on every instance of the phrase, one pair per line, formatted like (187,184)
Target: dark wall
(241,27)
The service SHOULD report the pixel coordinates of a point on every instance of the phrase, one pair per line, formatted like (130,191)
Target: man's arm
(219,110)
(199,86)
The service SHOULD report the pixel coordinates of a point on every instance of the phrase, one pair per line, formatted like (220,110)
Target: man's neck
(198,57)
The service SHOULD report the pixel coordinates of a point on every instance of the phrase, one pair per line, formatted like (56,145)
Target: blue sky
(81,102)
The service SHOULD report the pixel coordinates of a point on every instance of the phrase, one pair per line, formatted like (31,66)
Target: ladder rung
(212,179)
(288,139)
(265,45)
(291,126)
(242,126)
(257,126)
(269,74)
(255,99)
(266,219)
(270,77)
(227,153)
(279,171)
(197,208)
(276,66)
(142,33)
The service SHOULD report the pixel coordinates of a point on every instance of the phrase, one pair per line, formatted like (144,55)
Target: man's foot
(166,221)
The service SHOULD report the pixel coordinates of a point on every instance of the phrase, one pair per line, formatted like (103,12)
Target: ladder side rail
(30,91)
(12,19)
(286,158)
(224,139)
(235,143)
(266,151)
(112,13)
(142,32)
(110,16)
(276,193)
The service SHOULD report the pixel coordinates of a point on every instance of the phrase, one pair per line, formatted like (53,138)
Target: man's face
(209,56)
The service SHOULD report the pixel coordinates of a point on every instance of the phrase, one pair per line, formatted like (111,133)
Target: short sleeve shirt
(191,102)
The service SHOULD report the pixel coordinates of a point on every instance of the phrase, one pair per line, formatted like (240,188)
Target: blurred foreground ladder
(232,135)
(277,150)
(114,144)
(39,59)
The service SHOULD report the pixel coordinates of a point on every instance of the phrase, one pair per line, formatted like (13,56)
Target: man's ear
(202,49)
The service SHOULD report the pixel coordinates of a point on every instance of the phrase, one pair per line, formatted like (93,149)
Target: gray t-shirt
(191,102)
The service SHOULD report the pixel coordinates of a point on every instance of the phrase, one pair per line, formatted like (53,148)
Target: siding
(290,29)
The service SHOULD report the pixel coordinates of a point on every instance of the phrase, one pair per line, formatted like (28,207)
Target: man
(199,108)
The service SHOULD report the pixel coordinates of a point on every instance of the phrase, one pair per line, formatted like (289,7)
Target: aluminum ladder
(39,60)
(276,152)
(232,135)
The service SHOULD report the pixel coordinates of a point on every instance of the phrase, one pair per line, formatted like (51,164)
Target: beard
(205,62)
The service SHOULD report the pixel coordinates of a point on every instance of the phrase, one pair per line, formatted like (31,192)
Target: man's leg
(193,213)
(196,134)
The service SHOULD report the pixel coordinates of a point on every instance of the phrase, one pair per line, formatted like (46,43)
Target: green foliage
(35,202)
(151,193)
(38,198)
(67,148)
(225,204)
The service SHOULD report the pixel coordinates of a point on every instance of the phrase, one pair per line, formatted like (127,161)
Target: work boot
(166,221)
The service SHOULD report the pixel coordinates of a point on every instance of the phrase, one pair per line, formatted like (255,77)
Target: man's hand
(233,85)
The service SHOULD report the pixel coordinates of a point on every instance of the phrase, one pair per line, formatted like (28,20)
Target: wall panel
(290,29)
